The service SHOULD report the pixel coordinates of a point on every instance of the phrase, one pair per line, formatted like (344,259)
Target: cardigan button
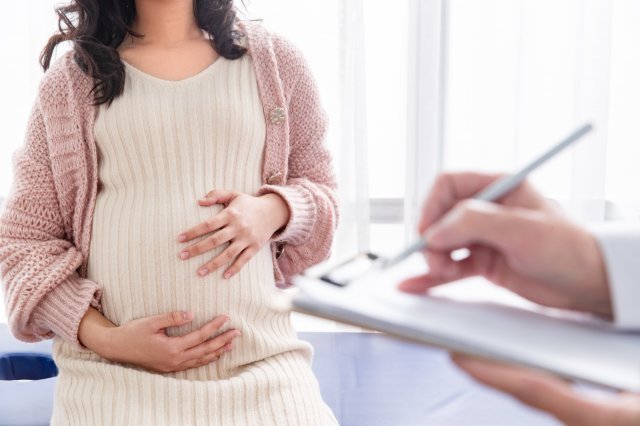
(278,115)
(275,179)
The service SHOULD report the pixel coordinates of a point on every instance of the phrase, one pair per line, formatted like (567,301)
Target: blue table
(367,379)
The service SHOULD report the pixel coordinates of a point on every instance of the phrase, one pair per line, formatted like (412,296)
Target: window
(521,74)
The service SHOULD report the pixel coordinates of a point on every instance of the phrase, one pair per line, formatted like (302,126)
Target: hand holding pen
(523,243)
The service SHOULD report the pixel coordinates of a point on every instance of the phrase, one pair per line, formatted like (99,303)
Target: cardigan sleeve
(310,186)
(44,295)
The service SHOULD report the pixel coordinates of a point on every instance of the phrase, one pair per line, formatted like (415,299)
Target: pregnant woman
(173,177)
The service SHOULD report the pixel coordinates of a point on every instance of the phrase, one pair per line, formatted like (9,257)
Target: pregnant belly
(134,257)
(141,275)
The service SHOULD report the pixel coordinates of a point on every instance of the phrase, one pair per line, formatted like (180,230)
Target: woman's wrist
(278,210)
(96,333)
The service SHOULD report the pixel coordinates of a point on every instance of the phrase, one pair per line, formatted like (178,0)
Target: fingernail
(227,275)
(203,271)
(186,315)
(184,254)
(182,238)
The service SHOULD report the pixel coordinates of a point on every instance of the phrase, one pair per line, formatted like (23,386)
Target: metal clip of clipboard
(344,273)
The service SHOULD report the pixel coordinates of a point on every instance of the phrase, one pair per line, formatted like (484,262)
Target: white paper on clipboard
(574,346)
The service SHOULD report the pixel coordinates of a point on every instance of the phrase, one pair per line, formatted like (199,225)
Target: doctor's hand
(523,243)
(246,223)
(554,395)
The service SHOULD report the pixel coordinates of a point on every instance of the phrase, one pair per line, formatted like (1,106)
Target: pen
(500,188)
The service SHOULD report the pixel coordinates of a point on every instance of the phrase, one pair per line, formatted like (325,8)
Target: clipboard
(572,345)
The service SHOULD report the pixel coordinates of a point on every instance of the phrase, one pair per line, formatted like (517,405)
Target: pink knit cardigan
(45,228)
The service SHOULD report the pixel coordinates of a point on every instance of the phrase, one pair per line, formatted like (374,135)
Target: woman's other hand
(144,343)
(246,224)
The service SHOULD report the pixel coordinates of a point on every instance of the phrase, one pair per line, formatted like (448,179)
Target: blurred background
(413,87)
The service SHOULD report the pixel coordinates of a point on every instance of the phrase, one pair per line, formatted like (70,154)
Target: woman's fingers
(243,223)
(211,242)
(210,225)
(207,359)
(143,342)
(223,258)
(202,334)
(199,347)
(539,390)
(218,196)
(170,319)
(210,347)
(240,261)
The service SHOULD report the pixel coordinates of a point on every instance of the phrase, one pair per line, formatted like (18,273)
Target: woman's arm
(44,294)
(94,332)
(310,185)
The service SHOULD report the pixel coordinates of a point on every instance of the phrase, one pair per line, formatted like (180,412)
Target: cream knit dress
(162,146)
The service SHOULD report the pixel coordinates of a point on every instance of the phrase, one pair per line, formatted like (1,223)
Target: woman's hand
(522,243)
(144,343)
(553,395)
(246,223)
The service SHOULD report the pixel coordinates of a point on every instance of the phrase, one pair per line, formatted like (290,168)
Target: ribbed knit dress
(162,146)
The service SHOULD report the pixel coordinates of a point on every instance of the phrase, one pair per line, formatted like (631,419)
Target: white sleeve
(620,244)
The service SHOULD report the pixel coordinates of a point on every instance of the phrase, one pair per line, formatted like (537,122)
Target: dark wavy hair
(97,27)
